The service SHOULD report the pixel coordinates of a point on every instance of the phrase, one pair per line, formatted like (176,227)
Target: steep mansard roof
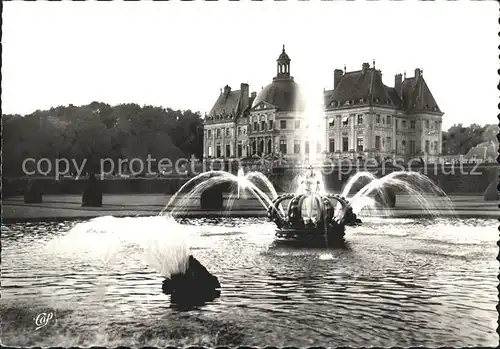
(359,87)
(227,104)
(362,87)
(417,95)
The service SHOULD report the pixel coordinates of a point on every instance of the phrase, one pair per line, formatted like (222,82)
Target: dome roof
(282,93)
(283,56)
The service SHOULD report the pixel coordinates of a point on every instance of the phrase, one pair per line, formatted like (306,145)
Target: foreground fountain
(312,214)
(193,286)
(308,213)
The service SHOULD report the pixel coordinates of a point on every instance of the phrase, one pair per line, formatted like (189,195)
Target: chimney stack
(244,96)
(398,84)
(337,76)
(254,95)
(418,72)
(227,89)
(366,66)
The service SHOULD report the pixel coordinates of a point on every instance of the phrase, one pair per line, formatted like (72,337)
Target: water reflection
(396,283)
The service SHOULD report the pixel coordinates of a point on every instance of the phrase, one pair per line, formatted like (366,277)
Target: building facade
(366,119)
(363,119)
(225,127)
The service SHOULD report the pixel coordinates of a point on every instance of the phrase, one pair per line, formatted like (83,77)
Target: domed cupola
(283,66)
(283,92)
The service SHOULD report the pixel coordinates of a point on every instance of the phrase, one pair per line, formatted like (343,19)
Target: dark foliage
(460,139)
(99,131)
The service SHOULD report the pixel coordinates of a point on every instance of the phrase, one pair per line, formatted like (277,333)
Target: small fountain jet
(311,213)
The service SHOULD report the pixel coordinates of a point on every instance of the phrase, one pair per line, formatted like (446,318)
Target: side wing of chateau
(363,118)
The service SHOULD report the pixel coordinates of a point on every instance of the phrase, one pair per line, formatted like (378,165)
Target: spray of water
(241,174)
(256,178)
(161,243)
(359,176)
(427,195)
(164,242)
(213,178)
(259,177)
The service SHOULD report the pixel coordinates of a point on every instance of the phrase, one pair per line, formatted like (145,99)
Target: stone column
(369,132)
(327,133)
(212,141)
(440,138)
(235,139)
(352,134)
(338,133)
(205,143)
(209,144)
(393,138)
(222,145)
(422,138)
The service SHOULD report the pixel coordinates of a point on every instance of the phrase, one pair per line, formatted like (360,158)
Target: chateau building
(363,118)
(269,123)
(226,126)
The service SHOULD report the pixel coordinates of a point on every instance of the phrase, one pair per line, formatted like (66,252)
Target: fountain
(311,213)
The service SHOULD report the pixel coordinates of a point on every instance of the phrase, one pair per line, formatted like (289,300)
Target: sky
(180,54)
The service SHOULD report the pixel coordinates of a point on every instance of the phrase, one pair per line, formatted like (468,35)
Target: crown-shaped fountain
(311,212)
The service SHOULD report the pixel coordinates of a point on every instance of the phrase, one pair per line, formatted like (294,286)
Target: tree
(97,131)
(459,139)
(145,131)
(188,133)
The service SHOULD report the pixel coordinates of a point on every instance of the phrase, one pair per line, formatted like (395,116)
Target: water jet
(312,214)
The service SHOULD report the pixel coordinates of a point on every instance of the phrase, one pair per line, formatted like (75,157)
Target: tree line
(97,131)
(125,131)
